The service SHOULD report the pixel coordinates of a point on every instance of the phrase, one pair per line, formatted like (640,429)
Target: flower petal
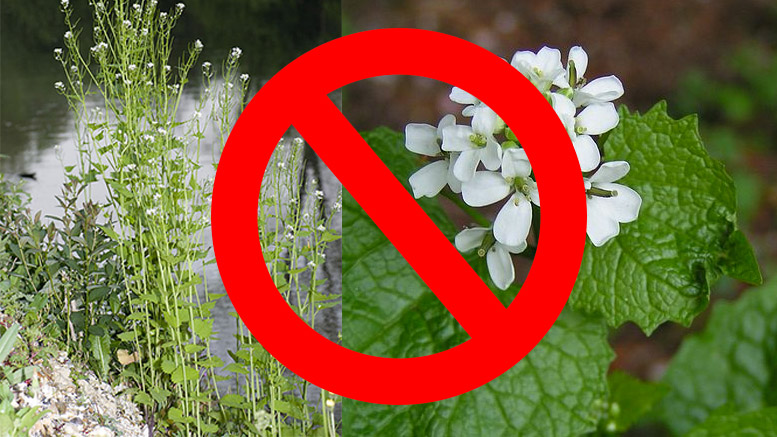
(597,118)
(491,155)
(430,179)
(468,111)
(624,207)
(485,188)
(514,249)
(465,166)
(600,227)
(534,193)
(603,89)
(458,95)
(587,152)
(454,183)
(456,138)
(470,238)
(447,120)
(549,63)
(500,266)
(421,138)
(580,57)
(484,120)
(523,61)
(610,172)
(512,224)
(515,163)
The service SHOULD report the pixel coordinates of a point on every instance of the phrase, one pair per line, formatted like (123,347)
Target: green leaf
(759,423)
(202,327)
(178,374)
(661,266)
(176,415)
(733,362)
(233,400)
(7,341)
(630,400)
(389,311)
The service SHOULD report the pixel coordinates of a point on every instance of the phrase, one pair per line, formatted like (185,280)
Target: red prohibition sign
(499,336)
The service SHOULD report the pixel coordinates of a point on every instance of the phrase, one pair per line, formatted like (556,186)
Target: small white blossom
(498,259)
(608,203)
(206,65)
(244,77)
(321,228)
(132,67)
(127,23)
(150,65)
(136,7)
(143,31)
(425,139)
(167,68)
(541,68)
(180,6)
(476,144)
(319,194)
(59,86)
(235,53)
(73,69)
(65,3)
(198,46)
(58,53)
(68,34)
(312,265)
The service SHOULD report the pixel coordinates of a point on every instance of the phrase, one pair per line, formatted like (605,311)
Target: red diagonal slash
(400,218)
(499,337)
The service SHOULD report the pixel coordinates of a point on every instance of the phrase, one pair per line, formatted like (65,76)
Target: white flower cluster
(486,170)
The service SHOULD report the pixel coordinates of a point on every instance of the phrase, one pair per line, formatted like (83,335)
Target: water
(36,120)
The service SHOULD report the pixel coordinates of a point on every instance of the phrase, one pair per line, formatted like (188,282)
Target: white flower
(321,228)
(244,77)
(298,141)
(136,7)
(132,67)
(425,139)
(595,119)
(319,194)
(609,204)
(458,95)
(513,222)
(312,265)
(498,259)
(476,144)
(198,46)
(541,68)
(65,3)
(197,114)
(127,23)
(58,53)
(600,90)
(59,86)
(68,34)
(150,65)
(179,7)
(73,69)
(235,54)
(143,31)
(163,15)
(167,68)
(206,65)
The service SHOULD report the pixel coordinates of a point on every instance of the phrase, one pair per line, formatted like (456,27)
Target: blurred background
(717,58)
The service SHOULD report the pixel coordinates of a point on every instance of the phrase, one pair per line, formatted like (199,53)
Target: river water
(31,128)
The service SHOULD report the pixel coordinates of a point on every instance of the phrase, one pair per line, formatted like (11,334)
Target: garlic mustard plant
(484,162)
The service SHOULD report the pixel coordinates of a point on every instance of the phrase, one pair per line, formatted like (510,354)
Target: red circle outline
(500,337)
